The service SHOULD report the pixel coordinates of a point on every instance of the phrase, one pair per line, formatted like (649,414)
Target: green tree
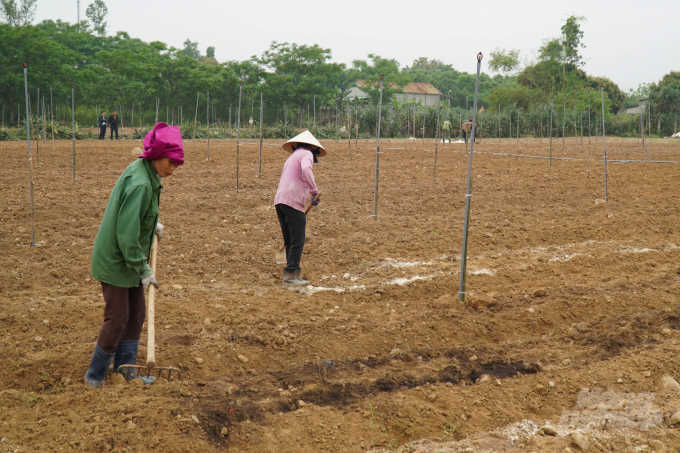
(664,94)
(18,15)
(429,65)
(504,61)
(551,50)
(571,40)
(49,63)
(210,52)
(191,49)
(295,73)
(97,12)
(369,73)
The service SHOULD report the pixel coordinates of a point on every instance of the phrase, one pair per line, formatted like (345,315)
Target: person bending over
(296,184)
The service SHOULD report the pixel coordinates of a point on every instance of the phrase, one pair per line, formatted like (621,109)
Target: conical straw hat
(307,138)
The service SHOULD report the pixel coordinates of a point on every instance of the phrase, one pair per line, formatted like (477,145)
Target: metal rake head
(131,371)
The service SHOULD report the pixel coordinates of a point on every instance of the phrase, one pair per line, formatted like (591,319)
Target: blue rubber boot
(99,366)
(126,354)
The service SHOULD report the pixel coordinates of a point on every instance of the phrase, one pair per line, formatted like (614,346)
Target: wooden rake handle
(309,208)
(151,311)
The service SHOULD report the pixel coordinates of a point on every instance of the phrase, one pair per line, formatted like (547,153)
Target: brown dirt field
(564,292)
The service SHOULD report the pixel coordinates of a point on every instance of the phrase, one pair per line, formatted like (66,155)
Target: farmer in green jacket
(121,251)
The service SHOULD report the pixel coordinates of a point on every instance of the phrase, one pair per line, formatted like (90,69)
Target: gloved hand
(314,202)
(150,280)
(159,230)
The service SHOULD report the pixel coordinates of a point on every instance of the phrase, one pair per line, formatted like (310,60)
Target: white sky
(629,41)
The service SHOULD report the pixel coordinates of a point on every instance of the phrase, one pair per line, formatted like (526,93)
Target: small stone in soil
(581,441)
(670,383)
(675,418)
(549,430)
(242,358)
(198,360)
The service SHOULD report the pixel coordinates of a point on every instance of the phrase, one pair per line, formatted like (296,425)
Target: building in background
(420,91)
(636,109)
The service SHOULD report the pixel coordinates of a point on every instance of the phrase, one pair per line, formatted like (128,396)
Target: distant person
(447,128)
(102,126)
(113,121)
(465,128)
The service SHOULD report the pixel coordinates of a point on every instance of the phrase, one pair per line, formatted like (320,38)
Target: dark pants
(465,136)
(293,224)
(102,132)
(124,314)
(114,127)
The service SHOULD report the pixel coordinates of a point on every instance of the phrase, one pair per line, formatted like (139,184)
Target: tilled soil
(564,292)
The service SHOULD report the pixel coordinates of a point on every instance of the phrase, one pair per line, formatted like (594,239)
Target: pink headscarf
(164,141)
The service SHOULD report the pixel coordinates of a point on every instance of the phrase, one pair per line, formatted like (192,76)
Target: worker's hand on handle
(150,280)
(315,200)
(159,230)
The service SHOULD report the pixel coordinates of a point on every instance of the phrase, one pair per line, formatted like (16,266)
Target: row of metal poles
(472,130)
(312,123)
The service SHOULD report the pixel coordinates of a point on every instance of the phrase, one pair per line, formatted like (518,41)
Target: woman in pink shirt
(296,184)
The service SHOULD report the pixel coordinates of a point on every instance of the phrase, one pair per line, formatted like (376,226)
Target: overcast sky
(630,42)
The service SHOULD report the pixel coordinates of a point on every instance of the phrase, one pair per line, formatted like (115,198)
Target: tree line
(119,71)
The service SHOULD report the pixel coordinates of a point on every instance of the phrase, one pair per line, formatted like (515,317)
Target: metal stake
(468,196)
(649,123)
(193,142)
(588,122)
(436,135)
(30,174)
(564,124)
(238,136)
(73,127)
(259,154)
(207,120)
(356,121)
(349,130)
(604,146)
(377,154)
(551,128)
(517,128)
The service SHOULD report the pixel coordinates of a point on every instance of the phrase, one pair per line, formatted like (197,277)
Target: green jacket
(121,250)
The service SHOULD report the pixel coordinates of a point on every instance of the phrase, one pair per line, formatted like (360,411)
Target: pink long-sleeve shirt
(297,180)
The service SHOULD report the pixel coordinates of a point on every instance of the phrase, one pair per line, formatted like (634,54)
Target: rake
(150,366)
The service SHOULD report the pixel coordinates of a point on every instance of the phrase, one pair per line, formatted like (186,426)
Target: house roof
(411,88)
(420,88)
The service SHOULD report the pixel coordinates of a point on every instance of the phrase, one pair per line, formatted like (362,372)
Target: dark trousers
(102,132)
(293,224)
(114,127)
(124,314)
(462,132)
